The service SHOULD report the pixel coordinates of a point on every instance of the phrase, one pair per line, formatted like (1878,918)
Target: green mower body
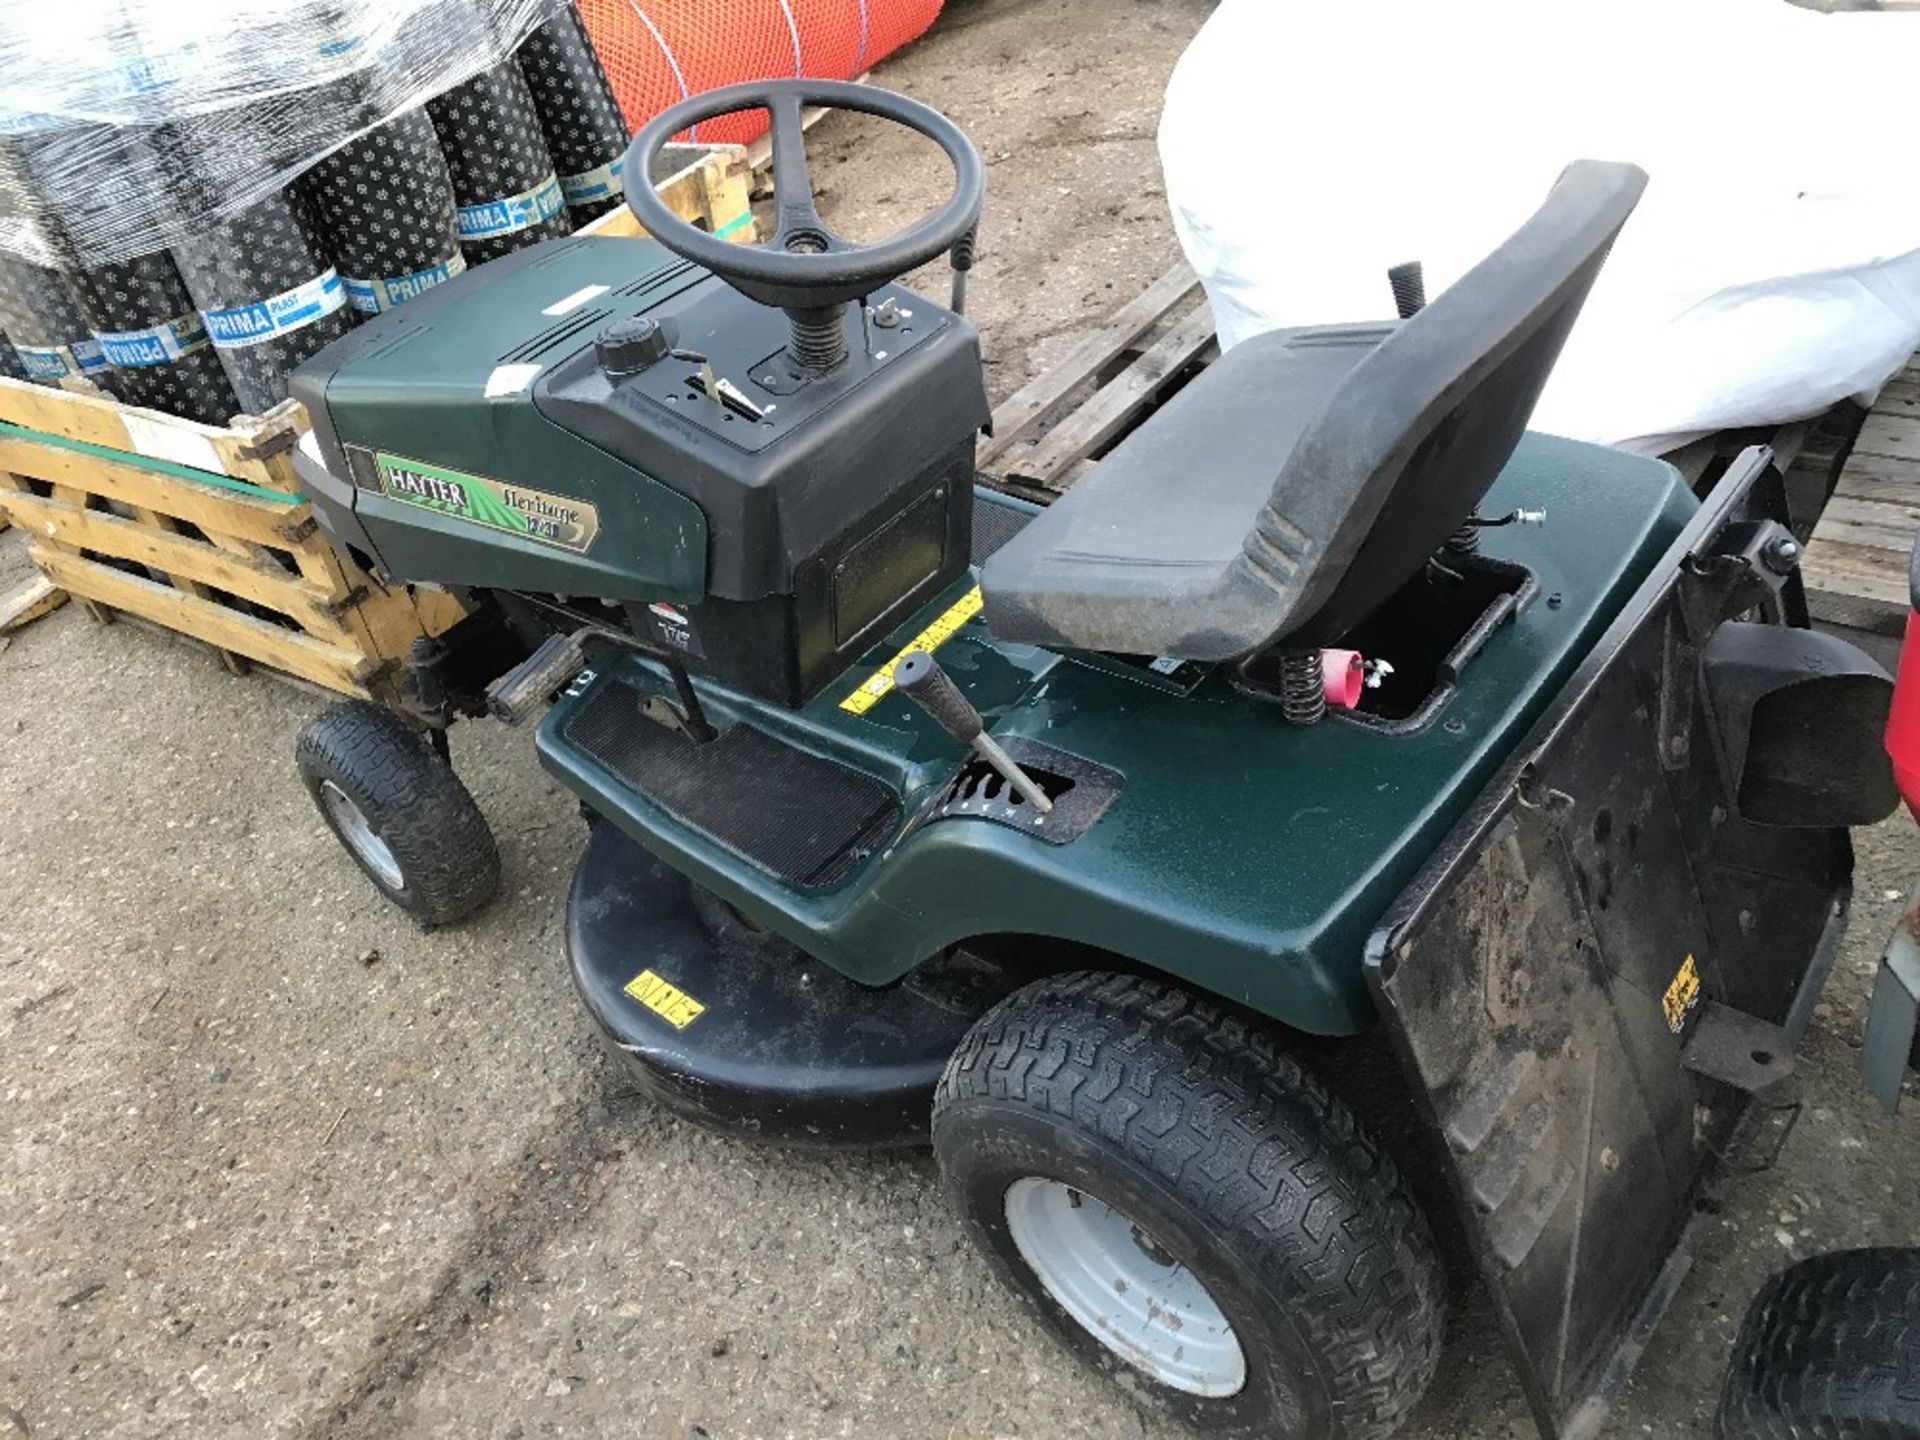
(1239,854)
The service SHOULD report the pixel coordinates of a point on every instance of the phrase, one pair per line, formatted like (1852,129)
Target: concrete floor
(278,1164)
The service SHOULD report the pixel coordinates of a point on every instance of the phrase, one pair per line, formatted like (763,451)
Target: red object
(658,52)
(1345,675)
(1903,720)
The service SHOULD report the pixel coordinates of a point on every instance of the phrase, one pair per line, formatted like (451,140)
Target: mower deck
(737,1029)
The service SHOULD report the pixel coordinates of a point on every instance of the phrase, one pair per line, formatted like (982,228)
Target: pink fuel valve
(1345,675)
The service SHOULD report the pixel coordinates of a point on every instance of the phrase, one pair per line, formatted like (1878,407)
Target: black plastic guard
(737,1029)
(1547,976)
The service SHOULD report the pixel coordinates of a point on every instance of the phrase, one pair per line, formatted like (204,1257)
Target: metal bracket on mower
(1740,1050)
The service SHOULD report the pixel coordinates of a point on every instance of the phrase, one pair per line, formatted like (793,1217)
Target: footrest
(805,820)
(517,696)
(739,1029)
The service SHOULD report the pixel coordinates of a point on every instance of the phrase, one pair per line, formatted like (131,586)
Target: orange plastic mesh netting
(658,51)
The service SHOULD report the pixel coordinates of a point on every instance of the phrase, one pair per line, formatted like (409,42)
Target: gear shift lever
(919,677)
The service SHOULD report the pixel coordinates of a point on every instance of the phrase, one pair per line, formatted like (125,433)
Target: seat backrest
(1410,442)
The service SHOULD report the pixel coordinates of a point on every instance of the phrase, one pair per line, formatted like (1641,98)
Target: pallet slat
(1894,436)
(1855,567)
(1114,406)
(265,522)
(37,598)
(1015,416)
(220,626)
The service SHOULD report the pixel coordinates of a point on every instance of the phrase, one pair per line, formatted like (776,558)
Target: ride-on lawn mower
(1050,833)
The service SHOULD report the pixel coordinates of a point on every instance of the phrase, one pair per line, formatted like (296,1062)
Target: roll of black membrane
(503,178)
(385,207)
(267,293)
(138,309)
(46,327)
(10,362)
(578,115)
(152,335)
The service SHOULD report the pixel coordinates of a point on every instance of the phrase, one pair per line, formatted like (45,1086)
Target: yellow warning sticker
(665,999)
(929,639)
(1682,995)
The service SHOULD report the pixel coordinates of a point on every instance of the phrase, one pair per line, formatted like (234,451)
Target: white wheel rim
(360,837)
(1122,1287)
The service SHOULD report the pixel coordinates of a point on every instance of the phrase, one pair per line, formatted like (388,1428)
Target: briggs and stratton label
(511,212)
(552,519)
(673,626)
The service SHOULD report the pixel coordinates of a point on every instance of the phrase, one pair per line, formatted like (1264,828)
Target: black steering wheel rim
(805,264)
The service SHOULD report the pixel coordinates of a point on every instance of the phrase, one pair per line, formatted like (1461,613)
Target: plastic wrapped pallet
(250,93)
(503,178)
(578,114)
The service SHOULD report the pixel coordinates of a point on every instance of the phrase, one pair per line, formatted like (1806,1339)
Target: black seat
(1304,477)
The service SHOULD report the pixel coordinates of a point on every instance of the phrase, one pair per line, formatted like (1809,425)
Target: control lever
(961,258)
(919,677)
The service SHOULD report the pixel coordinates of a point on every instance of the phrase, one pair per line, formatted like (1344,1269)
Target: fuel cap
(631,345)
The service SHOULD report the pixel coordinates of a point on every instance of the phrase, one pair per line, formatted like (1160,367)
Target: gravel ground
(277,1164)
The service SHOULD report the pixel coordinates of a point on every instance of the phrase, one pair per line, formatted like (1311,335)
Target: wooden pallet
(1856,565)
(201,530)
(1054,428)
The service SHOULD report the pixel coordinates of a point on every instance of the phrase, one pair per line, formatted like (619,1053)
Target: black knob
(919,677)
(631,345)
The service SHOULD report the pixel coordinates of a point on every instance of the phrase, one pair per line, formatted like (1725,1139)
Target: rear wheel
(1830,1351)
(399,811)
(1181,1204)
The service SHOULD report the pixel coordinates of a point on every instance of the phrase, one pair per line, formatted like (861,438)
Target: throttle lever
(918,676)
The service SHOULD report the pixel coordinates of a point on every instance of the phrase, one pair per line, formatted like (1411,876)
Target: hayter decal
(551,519)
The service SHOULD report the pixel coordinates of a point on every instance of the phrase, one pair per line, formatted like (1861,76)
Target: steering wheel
(805,266)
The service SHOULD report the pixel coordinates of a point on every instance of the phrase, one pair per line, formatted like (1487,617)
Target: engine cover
(475,438)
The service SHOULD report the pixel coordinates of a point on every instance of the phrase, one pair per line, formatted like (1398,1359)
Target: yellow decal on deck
(929,639)
(665,999)
(1682,995)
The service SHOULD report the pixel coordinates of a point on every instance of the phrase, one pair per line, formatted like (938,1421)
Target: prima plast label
(156,345)
(384,292)
(57,362)
(602,182)
(551,519)
(511,212)
(241,325)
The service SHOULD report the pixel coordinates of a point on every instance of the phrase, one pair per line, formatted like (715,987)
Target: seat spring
(1303,687)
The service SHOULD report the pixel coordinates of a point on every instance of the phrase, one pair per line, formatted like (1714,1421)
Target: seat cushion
(1137,557)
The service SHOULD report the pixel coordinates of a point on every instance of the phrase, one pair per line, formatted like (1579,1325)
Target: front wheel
(1179,1202)
(399,811)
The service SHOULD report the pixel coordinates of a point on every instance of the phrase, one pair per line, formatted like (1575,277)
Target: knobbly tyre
(1053,834)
